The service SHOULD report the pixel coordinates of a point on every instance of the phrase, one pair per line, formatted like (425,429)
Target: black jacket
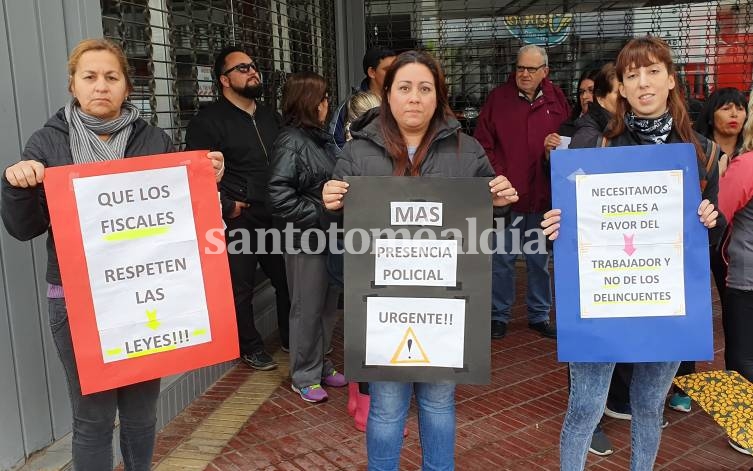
(24,210)
(590,127)
(246,142)
(302,162)
(451,154)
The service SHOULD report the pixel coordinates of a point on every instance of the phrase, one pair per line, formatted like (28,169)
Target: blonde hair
(98,44)
(359,104)
(748,129)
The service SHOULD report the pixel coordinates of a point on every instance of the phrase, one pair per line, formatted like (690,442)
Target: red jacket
(512,132)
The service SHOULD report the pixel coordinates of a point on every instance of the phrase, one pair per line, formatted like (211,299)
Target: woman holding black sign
(98,124)
(413,133)
(651,112)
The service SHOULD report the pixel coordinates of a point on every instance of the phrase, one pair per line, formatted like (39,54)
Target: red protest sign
(140,243)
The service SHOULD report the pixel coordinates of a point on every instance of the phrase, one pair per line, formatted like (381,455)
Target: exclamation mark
(180,334)
(175,338)
(410,344)
(450,319)
(186,331)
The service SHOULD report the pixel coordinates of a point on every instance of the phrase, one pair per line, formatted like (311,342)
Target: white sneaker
(737,447)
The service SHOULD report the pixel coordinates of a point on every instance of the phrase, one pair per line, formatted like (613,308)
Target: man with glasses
(244,130)
(513,123)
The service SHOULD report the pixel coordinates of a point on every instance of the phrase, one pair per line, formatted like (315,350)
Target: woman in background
(303,157)
(736,203)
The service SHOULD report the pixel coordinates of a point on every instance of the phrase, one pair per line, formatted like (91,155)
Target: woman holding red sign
(98,124)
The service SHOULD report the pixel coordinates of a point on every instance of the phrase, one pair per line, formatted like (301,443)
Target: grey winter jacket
(451,154)
(24,210)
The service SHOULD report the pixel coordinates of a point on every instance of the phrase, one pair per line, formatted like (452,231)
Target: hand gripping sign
(417,271)
(631,262)
(147,295)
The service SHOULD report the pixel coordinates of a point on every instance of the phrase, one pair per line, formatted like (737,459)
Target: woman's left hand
(502,191)
(218,164)
(708,214)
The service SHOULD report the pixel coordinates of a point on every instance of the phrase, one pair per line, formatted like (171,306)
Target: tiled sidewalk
(252,421)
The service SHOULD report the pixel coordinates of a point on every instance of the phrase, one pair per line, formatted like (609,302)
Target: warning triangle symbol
(409,350)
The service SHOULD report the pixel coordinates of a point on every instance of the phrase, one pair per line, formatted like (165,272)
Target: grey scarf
(84,131)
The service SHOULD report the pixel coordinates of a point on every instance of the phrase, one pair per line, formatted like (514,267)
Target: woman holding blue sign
(413,133)
(651,111)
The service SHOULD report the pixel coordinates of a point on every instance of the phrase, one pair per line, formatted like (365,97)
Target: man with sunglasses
(244,130)
(512,125)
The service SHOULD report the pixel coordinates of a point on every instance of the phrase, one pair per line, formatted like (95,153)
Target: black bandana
(650,130)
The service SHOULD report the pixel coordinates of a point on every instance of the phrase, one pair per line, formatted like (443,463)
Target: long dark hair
(603,80)
(393,138)
(302,94)
(721,97)
(643,52)
(587,75)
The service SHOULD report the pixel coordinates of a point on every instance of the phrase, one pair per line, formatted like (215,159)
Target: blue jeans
(436,421)
(539,291)
(94,414)
(589,384)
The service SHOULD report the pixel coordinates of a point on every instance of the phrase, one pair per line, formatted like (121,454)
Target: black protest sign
(417,279)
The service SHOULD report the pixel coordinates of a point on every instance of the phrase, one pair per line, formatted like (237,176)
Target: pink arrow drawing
(629,247)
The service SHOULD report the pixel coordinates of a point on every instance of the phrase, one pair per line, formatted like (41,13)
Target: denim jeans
(539,289)
(589,383)
(94,414)
(436,421)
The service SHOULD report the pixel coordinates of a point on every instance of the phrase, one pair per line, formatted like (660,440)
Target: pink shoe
(362,412)
(334,379)
(352,398)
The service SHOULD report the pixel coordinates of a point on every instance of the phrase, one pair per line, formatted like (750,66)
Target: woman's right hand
(551,223)
(332,194)
(25,174)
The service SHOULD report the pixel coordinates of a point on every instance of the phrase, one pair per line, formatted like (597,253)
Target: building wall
(36,36)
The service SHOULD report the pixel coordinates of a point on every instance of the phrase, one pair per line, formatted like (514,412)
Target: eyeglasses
(243,68)
(531,70)
(583,91)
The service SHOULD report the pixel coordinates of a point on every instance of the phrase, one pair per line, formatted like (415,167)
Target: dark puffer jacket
(24,210)
(451,154)
(590,126)
(302,162)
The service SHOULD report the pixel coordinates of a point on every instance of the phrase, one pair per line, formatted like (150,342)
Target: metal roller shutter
(170,45)
(477,40)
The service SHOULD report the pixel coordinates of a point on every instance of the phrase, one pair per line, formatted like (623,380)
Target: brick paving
(511,424)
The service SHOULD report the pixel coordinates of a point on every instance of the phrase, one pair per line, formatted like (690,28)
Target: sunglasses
(243,68)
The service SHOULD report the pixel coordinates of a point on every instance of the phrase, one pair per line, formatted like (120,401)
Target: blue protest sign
(631,263)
